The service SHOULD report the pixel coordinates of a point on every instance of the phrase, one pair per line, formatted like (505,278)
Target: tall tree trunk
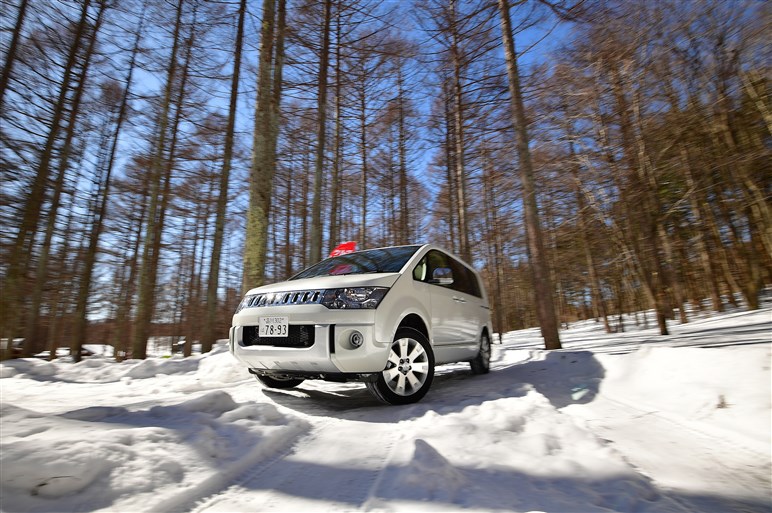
(125,297)
(160,176)
(494,245)
(79,334)
(545,307)
(288,199)
(213,282)
(598,304)
(728,137)
(458,119)
(365,170)
(59,302)
(641,188)
(676,283)
(10,57)
(193,303)
(403,226)
(18,261)
(316,207)
(304,207)
(276,87)
(337,139)
(450,166)
(263,165)
(41,276)
(390,196)
(703,233)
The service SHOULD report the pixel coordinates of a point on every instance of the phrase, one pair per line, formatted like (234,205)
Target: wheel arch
(413,320)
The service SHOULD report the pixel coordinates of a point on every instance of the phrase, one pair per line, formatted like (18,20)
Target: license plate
(274,326)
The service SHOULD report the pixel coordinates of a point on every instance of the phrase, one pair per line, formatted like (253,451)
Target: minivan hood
(330,282)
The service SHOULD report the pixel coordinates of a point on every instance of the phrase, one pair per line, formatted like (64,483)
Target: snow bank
(216,367)
(31,367)
(725,390)
(114,458)
(219,369)
(514,454)
(152,367)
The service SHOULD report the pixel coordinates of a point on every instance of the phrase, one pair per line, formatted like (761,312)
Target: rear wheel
(409,370)
(279,381)
(482,362)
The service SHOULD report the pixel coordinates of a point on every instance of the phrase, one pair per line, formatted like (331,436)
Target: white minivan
(382,316)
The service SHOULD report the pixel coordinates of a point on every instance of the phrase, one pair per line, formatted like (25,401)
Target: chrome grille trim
(295,297)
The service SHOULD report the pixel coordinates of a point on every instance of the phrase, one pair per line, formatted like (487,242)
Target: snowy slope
(623,422)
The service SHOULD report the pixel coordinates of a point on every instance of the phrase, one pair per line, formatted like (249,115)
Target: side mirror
(442,276)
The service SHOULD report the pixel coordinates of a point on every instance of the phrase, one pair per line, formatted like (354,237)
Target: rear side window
(464,279)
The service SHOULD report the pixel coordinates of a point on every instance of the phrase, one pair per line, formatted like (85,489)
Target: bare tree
(316,207)
(100,206)
(161,166)
(542,285)
(30,215)
(263,164)
(213,283)
(10,56)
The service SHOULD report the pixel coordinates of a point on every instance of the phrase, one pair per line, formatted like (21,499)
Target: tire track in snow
(344,474)
(207,501)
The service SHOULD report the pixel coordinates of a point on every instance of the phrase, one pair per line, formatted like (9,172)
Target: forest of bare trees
(590,158)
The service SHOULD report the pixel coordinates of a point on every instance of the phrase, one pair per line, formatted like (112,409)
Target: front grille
(300,335)
(298,297)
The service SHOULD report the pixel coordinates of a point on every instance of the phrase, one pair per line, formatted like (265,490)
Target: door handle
(459,299)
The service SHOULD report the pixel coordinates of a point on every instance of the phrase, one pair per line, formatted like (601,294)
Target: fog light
(356,339)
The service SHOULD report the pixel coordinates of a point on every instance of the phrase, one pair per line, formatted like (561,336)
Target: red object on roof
(342,249)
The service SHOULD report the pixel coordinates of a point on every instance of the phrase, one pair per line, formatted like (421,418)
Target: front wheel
(279,381)
(482,362)
(409,370)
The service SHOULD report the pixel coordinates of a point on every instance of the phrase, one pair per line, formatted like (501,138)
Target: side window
(419,273)
(461,282)
(434,268)
(474,285)
(439,269)
(477,287)
(464,279)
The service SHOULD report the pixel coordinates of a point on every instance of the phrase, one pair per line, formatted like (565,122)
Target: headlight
(354,298)
(245,302)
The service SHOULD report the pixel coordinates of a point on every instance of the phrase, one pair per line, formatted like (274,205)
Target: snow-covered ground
(625,422)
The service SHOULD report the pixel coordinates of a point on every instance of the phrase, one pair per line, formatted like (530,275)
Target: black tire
(409,371)
(482,362)
(279,382)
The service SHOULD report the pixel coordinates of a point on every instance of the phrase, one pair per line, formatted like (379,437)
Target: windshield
(384,260)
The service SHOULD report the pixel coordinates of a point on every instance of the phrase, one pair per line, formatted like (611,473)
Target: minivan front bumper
(332,350)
